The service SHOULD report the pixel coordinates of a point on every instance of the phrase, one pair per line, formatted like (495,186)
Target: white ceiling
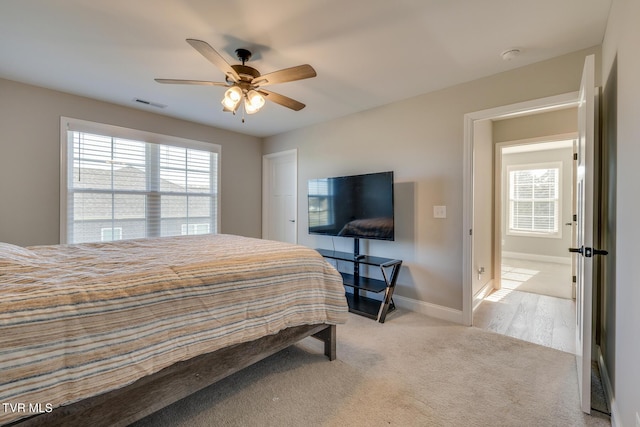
(367,53)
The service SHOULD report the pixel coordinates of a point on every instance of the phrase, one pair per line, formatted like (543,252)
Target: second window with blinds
(534,199)
(125,184)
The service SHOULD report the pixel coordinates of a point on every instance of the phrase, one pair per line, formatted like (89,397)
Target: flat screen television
(358,206)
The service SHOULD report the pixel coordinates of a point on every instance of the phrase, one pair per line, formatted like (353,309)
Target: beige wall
(30,160)
(421,139)
(536,125)
(622,138)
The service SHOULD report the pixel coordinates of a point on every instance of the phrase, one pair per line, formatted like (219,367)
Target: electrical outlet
(439,211)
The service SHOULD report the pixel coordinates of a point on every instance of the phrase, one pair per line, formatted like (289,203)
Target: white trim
(68,123)
(537,257)
(483,293)
(500,147)
(467,221)
(62,238)
(428,309)
(556,102)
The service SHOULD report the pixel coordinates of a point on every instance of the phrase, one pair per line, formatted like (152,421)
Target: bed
(106,333)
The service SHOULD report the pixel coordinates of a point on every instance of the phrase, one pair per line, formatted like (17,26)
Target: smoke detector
(510,54)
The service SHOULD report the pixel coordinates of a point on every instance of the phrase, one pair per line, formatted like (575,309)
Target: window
(534,199)
(320,201)
(109,234)
(194,229)
(123,184)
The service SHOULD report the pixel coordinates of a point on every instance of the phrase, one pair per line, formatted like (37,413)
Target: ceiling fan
(246,83)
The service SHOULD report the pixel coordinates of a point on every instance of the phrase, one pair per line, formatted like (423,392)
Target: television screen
(358,206)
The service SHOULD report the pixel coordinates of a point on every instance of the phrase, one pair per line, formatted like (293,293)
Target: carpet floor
(412,370)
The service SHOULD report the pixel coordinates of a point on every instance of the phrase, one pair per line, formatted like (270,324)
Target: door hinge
(575,156)
(574,279)
(575,217)
(470,232)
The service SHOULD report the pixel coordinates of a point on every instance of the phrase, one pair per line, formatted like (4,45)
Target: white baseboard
(608,389)
(536,257)
(432,310)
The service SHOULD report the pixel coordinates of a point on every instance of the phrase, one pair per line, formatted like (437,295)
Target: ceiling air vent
(151,104)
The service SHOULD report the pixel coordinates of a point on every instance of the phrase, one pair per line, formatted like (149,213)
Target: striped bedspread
(79,320)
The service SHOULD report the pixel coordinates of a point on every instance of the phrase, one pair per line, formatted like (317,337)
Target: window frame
(72,124)
(558,201)
(113,229)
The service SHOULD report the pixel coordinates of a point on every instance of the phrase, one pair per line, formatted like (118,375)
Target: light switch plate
(439,211)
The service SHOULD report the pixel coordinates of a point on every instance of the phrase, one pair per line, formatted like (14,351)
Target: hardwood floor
(546,278)
(535,318)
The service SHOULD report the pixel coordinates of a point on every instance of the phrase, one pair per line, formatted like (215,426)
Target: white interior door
(584,231)
(280,196)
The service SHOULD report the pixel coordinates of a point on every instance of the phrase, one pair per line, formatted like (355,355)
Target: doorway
(532,316)
(534,204)
(532,299)
(478,214)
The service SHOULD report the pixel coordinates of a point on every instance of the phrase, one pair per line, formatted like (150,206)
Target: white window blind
(534,199)
(320,200)
(125,184)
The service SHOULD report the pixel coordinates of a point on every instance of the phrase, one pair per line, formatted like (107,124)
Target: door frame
(556,102)
(267,160)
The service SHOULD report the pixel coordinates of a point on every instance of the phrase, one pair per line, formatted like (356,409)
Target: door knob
(588,252)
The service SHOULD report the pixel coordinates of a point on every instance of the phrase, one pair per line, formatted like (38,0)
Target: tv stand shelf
(359,304)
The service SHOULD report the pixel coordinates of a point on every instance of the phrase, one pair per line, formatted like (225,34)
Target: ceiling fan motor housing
(246,73)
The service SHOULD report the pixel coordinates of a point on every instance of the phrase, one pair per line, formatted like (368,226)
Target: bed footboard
(149,394)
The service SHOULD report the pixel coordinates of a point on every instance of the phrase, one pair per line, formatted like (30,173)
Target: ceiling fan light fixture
(232,98)
(250,108)
(255,99)
(233,94)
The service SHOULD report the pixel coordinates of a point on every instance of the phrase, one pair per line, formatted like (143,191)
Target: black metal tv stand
(359,304)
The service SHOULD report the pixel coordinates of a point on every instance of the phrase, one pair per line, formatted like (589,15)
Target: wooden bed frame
(147,395)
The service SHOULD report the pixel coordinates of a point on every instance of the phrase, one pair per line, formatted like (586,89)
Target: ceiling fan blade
(214,57)
(282,100)
(287,75)
(190,82)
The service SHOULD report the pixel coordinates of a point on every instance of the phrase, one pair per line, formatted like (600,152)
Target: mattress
(80,320)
